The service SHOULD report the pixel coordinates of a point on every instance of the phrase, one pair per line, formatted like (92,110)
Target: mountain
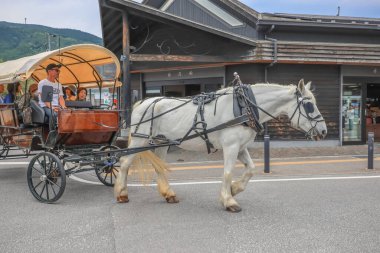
(19,40)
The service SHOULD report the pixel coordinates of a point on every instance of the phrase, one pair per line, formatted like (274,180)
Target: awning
(84,65)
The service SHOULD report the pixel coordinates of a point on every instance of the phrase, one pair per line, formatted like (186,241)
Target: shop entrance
(360,109)
(352,108)
(372,110)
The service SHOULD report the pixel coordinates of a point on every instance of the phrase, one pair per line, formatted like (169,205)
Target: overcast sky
(84,14)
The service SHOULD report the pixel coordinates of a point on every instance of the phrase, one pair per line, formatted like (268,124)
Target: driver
(58,101)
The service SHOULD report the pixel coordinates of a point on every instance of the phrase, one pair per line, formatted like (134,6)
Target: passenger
(1,93)
(82,94)
(19,91)
(24,101)
(11,96)
(70,93)
(33,91)
(52,71)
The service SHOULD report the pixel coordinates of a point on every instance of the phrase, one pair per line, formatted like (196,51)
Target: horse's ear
(301,86)
(308,85)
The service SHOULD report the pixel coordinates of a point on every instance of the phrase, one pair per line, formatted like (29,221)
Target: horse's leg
(162,182)
(239,185)
(120,188)
(230,154)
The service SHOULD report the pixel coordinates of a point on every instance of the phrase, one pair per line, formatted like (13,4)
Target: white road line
(14,163)
(84,181)
(264,180)
(216,182)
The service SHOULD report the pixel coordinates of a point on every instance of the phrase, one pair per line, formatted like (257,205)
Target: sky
(84,14)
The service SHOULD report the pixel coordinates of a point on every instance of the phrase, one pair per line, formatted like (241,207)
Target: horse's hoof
(122,199)
(172,200)
(233,209)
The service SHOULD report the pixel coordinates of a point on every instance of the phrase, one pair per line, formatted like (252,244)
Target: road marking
(14,163)
(239,165)
(264,180)
(256,160)
(220,166)
(251,181)
(84,180)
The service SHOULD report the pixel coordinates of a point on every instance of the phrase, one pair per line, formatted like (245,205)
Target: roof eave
(147,11)
(317,24)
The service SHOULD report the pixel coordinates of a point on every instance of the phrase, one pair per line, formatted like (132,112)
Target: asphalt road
(305,205)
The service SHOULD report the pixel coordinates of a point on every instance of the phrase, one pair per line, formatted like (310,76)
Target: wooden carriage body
(82,127)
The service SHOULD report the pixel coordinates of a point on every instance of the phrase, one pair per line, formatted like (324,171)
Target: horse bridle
(309,109)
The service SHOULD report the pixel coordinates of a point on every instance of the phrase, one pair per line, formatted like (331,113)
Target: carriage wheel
(46,177)
(108,171)
(2,150)
(3,147)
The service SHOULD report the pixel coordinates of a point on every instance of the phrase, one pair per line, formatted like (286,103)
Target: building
(183,47)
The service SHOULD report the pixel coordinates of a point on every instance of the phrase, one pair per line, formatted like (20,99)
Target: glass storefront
(352,113)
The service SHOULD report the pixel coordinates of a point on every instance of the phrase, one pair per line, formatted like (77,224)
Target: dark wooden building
(184,47)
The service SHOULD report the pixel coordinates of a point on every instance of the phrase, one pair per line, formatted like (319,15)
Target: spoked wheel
(107,172)
(46,177)
(3,147)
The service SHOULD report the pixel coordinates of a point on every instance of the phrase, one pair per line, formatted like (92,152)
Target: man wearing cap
(57,102)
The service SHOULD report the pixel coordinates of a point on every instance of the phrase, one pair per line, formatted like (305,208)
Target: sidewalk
(178,155)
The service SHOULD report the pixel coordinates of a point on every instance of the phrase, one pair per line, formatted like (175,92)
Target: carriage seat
(38,114)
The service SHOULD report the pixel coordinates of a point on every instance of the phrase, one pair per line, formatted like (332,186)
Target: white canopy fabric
(84,65)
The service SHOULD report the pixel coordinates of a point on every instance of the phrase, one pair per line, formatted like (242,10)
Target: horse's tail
(145,163)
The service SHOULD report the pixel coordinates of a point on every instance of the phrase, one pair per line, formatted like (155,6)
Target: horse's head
(304,113)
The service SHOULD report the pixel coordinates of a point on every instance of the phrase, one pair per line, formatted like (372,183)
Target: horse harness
(244,102)
(244,112)
(309,109)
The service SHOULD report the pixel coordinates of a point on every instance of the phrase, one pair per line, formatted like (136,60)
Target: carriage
(81,131)
(227,119)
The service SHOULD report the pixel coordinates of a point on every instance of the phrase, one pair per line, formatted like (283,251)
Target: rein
(199,127)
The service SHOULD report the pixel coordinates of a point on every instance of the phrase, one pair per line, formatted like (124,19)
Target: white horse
(297,102)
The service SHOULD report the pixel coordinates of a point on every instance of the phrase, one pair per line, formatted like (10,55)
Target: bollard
(370,150)
(266,154)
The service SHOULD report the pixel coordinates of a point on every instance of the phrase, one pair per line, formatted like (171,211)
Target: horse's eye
(309,107)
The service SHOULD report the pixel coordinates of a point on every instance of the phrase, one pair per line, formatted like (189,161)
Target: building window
(153,91)
(219,12)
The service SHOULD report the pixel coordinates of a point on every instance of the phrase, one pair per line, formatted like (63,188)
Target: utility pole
(48,37)
(25,20)
(49,41)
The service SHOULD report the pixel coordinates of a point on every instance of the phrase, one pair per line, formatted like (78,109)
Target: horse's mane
(274,85)
(291,88)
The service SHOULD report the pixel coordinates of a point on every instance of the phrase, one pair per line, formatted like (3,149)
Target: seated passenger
(24,100)
(11,96)
(52,71)
(70,93)
(82,94)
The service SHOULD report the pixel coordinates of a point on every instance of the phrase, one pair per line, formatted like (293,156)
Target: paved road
(305,205)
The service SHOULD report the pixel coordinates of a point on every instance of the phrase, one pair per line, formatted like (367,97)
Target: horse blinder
(309,107)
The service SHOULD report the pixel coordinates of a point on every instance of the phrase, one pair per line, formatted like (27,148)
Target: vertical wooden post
(126,88)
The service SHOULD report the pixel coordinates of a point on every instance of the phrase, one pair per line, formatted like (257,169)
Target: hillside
(19,40)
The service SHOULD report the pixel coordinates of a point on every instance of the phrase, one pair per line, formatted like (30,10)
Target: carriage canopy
(84,65)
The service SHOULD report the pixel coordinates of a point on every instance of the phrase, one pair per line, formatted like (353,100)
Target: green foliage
(19,40)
